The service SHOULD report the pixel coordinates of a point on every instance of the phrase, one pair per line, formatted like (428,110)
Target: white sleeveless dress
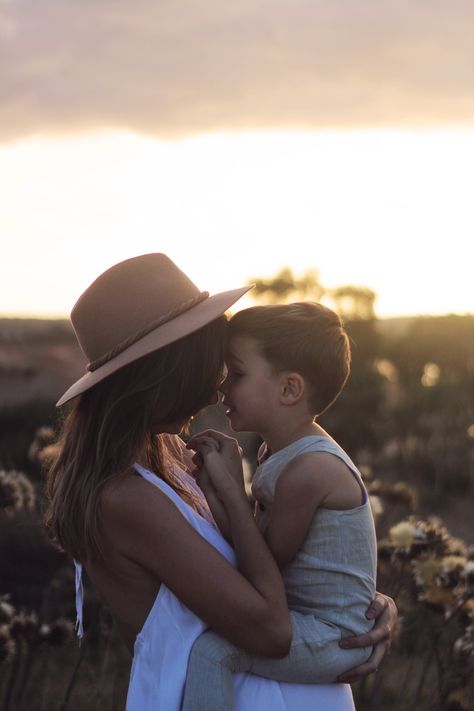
(163,645)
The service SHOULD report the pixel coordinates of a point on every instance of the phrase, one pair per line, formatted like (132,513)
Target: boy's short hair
(304,337)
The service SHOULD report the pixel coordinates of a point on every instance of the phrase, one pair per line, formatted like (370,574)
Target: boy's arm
(300,489)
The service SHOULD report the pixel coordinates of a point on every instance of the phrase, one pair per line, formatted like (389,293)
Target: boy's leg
(315,656)
(209,683)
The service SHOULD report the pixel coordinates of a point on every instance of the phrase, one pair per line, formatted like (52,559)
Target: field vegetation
(406,418)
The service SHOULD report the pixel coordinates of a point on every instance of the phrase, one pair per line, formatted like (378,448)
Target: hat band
(185,306)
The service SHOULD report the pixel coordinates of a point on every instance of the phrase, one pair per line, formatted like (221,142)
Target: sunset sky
(238,138)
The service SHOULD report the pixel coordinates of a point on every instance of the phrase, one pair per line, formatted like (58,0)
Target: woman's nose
(223,386)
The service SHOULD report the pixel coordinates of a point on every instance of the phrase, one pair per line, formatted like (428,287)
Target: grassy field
(406,418)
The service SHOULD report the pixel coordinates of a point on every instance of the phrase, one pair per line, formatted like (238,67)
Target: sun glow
(390,210)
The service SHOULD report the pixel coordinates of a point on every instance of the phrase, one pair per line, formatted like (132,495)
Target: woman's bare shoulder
(128,494)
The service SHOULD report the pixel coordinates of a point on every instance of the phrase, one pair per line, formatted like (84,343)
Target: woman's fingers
(224,442)
(203,444)
(376,607)
(375,636)
(385,613)
(371,665)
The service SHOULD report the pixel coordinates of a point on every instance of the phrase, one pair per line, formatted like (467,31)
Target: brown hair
(112,424)
(305,337)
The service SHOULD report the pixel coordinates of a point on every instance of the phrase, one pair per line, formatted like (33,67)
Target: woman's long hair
(111,426)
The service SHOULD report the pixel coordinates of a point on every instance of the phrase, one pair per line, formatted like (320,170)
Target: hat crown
(127,301)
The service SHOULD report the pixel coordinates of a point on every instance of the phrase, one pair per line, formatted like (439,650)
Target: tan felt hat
(136,307)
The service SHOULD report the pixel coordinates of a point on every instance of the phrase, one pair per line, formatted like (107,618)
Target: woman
(122,503)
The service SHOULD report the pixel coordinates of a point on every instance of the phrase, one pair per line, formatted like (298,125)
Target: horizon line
(30,316)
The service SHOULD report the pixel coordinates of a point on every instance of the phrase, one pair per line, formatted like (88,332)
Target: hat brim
(182,325)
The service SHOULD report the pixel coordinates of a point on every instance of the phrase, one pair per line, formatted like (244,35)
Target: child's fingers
(202,444)
(200,437)
(224,442)
(215,434)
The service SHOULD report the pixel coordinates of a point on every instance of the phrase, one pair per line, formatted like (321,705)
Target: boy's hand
(384,611)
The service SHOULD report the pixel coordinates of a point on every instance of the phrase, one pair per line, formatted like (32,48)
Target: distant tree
(354,303)
(285,287)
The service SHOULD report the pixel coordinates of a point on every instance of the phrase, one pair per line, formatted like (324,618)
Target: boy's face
(251,388)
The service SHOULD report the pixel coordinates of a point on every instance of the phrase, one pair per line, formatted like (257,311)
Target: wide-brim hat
(134,308)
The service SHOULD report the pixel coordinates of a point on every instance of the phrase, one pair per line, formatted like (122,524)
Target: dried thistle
(443,598)
(465,644)
(44,437)
(395,493)
(7,611)
(60,632)
(7,644)
(459,700)
(469,572)
(16,492)
(376,505)
(10,492)
(426,569)
(405,533)
(27,490)
(48,454)
(25,626)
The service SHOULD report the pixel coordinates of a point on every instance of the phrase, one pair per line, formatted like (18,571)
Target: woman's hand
(228,448)
(384,611)
(204,482)
(220,485)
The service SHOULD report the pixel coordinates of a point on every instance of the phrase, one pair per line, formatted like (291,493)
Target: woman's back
(127,589)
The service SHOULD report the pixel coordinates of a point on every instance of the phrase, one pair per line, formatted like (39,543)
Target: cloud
(172,68)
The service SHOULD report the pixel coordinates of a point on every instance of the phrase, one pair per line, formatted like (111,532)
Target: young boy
(286,365)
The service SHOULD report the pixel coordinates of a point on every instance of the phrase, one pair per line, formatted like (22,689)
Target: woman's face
(177,426)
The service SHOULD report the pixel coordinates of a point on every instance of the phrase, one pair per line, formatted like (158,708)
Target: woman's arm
(248,607)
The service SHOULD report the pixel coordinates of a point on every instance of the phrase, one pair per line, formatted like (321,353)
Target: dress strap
(79,600)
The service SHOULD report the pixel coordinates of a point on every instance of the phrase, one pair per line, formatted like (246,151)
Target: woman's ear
(292,388)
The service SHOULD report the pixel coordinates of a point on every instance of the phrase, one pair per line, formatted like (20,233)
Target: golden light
(390,210)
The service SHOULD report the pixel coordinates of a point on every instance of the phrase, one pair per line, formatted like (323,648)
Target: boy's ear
(292,388)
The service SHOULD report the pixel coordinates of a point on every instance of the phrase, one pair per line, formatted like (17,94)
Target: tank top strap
(326,444)
(273,465)
(185,510)
(317,443)
(79,600)
(188,482)
(165,488)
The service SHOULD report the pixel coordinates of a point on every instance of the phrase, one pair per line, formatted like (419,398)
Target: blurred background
(318,150)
